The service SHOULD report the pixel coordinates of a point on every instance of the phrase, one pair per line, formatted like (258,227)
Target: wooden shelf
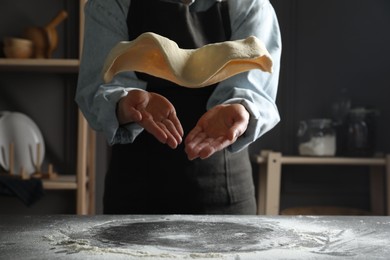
(43,65)
(369,161)
(62,182)
(270,171)
(83,181)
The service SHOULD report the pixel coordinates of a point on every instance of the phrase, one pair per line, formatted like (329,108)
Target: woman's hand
(216,129)
(154,113)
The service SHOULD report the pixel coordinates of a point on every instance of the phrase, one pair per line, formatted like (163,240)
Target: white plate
(19,129)
(3,113)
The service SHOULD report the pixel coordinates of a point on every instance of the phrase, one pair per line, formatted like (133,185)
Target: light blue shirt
(105,26)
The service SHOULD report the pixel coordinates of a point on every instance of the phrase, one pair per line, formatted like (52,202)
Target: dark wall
(329,47)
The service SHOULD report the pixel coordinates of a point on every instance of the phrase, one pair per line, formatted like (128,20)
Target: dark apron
(147,177)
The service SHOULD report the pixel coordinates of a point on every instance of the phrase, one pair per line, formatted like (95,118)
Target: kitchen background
(330,48)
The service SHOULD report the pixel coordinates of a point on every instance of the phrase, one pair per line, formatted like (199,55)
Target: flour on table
(172,238)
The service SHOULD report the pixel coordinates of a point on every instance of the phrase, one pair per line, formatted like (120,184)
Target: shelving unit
(270,171)
(40,65)
(62,182)
(83,181)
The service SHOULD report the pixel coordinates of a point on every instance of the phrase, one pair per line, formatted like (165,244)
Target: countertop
(194,237)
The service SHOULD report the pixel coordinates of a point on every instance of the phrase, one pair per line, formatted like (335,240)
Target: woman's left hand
(216,129)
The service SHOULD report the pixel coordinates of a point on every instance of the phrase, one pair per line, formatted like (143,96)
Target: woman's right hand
(154,113)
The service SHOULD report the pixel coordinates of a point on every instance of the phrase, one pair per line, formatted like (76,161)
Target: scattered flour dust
(340,241)
(286,239)
(60,239)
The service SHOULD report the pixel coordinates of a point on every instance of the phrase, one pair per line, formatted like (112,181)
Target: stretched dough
(193,68)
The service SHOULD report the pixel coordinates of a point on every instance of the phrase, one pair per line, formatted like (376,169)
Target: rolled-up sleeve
(255,89)
(105,26)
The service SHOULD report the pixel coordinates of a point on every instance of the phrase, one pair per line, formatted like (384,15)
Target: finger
(192,134)
(196,140)
(236,130)
(150,126)
(170,140)
(233,134)
(135,115)
(214,145)
(171,128)
(239,126)
(193,147)
(176,122)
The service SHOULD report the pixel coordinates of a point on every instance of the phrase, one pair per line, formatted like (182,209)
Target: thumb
(135,115)
(237,129)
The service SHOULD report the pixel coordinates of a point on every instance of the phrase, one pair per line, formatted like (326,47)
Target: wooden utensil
(45,38)
(38,36)
(51,32)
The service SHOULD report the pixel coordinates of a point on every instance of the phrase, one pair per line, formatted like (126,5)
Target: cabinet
(270,171)
(83,180)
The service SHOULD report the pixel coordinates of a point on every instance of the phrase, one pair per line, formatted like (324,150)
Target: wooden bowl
(18,48)
(17,42)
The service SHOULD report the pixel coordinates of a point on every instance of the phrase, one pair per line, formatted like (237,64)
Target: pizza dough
(193,68)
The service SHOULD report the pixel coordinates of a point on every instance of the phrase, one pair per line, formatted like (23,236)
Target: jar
(360,136)
(317,137)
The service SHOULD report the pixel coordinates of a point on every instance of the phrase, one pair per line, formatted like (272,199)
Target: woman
(145,119)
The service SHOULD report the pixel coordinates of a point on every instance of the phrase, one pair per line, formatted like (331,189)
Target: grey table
(194,237)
